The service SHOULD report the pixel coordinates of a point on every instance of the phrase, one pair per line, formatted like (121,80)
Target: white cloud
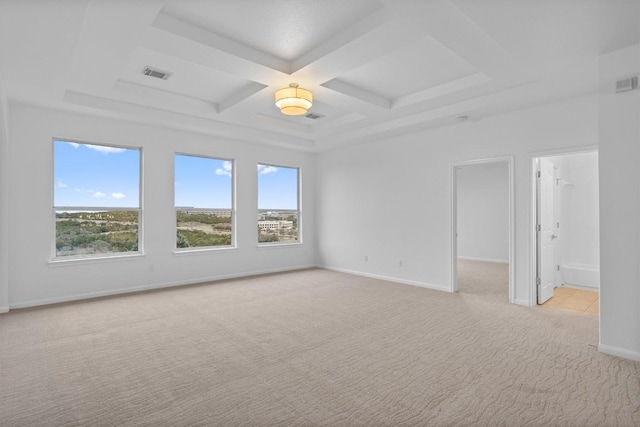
(225,169)
(99,194)
(61,184)
(118,195)
(105,150)
(73,144)
(263,169)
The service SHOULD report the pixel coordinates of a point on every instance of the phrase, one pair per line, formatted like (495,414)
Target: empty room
(319,213)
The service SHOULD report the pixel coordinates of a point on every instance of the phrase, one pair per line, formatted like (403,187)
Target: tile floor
(565,298)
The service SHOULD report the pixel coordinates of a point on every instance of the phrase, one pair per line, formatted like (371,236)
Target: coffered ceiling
(377,68)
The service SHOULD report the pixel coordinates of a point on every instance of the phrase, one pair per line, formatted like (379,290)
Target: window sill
(200,251)
(61,262)
(278,245)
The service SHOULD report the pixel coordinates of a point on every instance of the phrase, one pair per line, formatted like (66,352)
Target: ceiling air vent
(314,116)
(154,72)
(626,85)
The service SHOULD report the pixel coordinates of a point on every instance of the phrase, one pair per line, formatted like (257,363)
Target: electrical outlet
(399,263)
(366,258)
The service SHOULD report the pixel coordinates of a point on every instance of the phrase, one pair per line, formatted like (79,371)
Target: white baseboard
(620,352)
(4,309)
(388,278)
(88,295)
(522,302)
(469,258)
(586,288)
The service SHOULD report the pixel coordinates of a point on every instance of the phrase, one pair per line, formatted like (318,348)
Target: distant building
(209,212)
(280,215)
(275,225)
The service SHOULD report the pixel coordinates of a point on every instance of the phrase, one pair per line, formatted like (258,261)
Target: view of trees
(201,229)
(103,232)
(86,233)
(267,237)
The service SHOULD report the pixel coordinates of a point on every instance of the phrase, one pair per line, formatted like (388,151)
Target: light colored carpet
(309,348)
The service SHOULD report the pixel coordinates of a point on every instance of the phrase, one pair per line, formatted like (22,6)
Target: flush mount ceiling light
(293,100)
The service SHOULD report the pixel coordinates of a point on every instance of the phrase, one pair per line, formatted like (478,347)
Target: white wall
(390,199)
(4,201)
(483,211)
(578,244)
(579,210)
(34,280)
(619,160)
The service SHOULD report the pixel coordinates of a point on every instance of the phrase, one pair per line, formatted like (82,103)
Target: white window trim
(54,260)
(299,210)
(206,249)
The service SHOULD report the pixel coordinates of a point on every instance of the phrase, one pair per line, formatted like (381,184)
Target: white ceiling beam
(216,41)
(175,120)
(377,42)
(347,102)
(351,33)
(361,94)
(241,95)
(448,88)
(451,110)
(208,56)
(165,100)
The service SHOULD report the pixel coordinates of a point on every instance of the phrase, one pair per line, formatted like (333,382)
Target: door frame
(533,206)
(453,282)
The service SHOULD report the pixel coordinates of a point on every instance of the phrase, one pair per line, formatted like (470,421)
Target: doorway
(566,231)
(482,226)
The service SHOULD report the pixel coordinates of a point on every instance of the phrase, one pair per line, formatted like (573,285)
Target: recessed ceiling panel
(421,65)
(283,28)
(556,29)
(186,78)
(377,68)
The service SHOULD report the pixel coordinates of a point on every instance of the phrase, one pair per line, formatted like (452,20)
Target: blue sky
(203,182)
(100,176)
(277,187)
(95,175)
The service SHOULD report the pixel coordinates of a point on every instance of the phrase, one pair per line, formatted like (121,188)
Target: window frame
(55,258)
(299,241)
(233,245)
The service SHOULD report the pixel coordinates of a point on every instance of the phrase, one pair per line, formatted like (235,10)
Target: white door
(546,238)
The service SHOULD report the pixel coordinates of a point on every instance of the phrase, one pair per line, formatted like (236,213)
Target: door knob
(553,236)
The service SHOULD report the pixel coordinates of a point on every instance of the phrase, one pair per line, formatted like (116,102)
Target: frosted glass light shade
(294,100)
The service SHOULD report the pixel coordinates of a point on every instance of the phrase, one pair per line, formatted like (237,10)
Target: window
(96,199)
(278,204)
(203,202)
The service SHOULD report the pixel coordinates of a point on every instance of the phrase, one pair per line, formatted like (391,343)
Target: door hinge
(538,281)
(538,174)
(538,228)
